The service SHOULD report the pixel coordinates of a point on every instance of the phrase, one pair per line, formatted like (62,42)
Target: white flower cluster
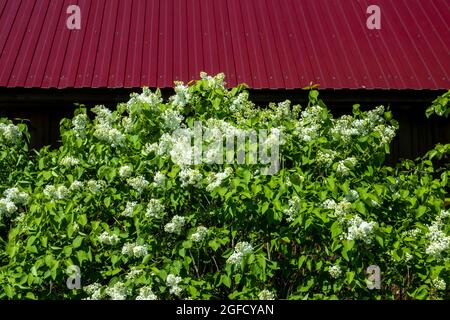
(387,133)
(273,141)
(439,284)
(94,290)
(129,209)
(133,273)
(150,148)
(108,239)
(127,124)
(171,119)
(346,128)
(182,95)
(239,102)
(294,207)
(215,180)
(200,234)
(413,233)
(110,135)
(56,193)
(308,133)
(241,250)
(13,198)
(329,204)
(266,295)
(282,111)
(69,161)
(138,183)
(213,152)
(146,293)
(308,128)
(159,179)
(104,115)
(335,271)
(218,129)
(213,82)
(190,177)
(9,134)
(326,157)
(375,116)
(16,196)
(444,214)
(164,146)
(438,241)
(153,99)
(358,229)
(176,145)
(155,209)
(312,114)
(344,166)
(118,292)
(134,250)
(95,186)
(174,283)
(79,123)
(352,195)
(340,209)
(104,130)
(125,171)
(180,147)
(175,225)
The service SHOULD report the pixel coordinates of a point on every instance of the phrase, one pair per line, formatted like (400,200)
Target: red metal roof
(264,43)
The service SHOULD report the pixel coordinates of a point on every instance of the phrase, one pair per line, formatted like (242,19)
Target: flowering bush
(124,201)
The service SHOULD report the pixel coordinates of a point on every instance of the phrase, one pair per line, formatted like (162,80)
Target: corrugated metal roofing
(264,43)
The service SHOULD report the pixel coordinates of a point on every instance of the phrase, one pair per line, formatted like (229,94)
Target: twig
(215,263)
(195,265)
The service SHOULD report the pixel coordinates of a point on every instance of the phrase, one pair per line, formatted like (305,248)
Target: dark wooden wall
(43,109)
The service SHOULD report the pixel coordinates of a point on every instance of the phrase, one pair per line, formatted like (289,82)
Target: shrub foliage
(120,200)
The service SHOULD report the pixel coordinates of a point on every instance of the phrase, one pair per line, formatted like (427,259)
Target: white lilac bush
(122,200)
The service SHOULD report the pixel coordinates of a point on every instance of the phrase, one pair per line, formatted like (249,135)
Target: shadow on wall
(44,109)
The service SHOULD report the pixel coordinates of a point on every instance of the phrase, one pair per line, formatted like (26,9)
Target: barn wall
(44,109)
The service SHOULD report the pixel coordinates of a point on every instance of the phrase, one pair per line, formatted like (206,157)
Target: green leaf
(9,291)
(264,207)
(77,242)
(350,276)
(421,292)
(420,211)
(187,244)
(380,241)
(359,205)
(82,220)
(301,260)
(214,245)
(107,202)
(225,280)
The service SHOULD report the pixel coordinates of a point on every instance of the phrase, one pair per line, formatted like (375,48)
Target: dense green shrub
(120,200)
